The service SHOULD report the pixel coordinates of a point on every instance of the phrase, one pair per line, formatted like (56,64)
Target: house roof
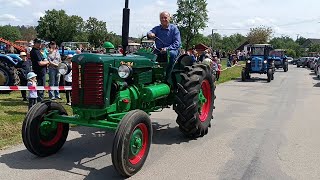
(241,47)
(310,41)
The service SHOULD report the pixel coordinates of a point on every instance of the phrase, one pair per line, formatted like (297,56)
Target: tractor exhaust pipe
(125,27)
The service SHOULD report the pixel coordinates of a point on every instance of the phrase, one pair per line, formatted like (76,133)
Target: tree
(97,31)
(285,42)
(259,35)
(291,53)
(191,17)
(10,33)
(28,33)
(301,40)
(80,33)
(314,48)
(58,26)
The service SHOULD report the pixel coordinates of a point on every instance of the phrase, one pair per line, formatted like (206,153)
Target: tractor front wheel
(285,67)
(132,142)
(41,137)
(195,100)
(243,75)
(269,75)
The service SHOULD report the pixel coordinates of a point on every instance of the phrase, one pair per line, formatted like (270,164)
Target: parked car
(302,62)
(290,59)
(294,61)
(317,66)
(313,63)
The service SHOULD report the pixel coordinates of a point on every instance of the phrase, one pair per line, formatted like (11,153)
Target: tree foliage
(314,48)
(28,33)
(97,31)
(10,33)
(285,42)
(191,17)
(58,26)
(259,35)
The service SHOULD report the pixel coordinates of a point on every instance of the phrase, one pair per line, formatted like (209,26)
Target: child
(68,80)
(32,82)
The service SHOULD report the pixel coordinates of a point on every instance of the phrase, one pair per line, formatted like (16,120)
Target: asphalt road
(260,131)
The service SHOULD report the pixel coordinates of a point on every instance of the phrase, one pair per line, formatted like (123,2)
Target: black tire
(38,143)
(8,76)
(285,67)
(190,120)
(298,66)
(126,163)
(243,75)
(269,75)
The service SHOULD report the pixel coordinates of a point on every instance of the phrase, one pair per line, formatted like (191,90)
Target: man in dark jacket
(39,66)
(24,67)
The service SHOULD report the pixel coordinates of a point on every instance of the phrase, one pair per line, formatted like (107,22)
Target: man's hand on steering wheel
(151,35)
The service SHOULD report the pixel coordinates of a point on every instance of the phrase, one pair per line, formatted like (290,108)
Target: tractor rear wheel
(132,142)
(41,137)
(195,100)
(8,76)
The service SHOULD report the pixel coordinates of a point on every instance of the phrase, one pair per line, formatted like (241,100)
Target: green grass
(12,113)
(229,74)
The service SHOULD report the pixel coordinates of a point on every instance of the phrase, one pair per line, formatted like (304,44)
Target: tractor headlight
(248,61)
(124,71)
(265,61)
(64,68)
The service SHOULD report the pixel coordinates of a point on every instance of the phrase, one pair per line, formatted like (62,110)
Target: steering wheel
(154,47)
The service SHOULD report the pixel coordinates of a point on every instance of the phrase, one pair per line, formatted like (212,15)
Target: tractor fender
(8,60)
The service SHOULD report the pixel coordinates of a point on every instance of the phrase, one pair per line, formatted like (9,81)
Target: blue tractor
(8,72)
(280,59)
(259,62)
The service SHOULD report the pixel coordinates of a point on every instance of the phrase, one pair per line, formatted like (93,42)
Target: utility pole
(212,38)
(297,36)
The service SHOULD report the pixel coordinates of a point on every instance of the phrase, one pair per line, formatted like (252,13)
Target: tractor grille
(256,64)
(93,84)
(76,83)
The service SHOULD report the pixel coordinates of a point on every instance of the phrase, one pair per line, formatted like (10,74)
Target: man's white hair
(166,13)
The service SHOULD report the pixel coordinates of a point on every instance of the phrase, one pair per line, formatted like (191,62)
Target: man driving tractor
(168,36)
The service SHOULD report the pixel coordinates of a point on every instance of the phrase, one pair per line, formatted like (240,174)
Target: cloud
(19,3)
(38,14)
(8,17)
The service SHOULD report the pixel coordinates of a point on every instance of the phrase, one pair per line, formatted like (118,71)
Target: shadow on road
(93,144)
(252,79)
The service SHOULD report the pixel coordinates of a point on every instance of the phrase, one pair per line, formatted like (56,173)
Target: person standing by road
(32,83)
(68,80)
(24,67)
(170,37)
(39,65)
(54,75)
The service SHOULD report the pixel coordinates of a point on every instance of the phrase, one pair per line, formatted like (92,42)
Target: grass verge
(12,113)
(229,74)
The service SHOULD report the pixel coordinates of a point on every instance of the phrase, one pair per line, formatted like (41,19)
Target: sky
(287,17)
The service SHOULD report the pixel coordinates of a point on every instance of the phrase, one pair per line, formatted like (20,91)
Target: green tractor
(118,93)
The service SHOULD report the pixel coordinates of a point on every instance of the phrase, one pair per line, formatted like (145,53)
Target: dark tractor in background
(280,59)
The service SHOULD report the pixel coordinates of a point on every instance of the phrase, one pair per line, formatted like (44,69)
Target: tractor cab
(259,62)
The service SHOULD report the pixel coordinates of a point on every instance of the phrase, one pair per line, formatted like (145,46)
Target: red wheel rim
(145,135)
(205,109)
(56,138)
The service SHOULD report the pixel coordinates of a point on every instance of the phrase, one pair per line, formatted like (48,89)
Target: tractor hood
(115,60)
